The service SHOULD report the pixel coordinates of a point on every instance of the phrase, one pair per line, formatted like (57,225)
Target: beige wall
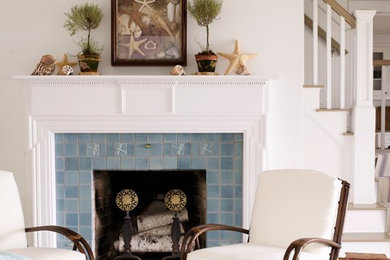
(271,28)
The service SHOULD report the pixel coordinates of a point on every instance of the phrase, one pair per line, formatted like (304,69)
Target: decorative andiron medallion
(175,200)
(127,200)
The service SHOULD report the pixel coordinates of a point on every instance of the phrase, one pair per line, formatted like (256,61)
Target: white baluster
(328,57)
(315,42)
(342,63)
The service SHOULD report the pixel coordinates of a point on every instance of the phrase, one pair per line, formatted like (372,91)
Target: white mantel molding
(142,104)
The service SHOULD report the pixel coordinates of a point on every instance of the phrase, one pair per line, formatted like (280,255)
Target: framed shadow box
(148,32)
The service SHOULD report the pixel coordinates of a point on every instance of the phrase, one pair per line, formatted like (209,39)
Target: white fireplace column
(141,104)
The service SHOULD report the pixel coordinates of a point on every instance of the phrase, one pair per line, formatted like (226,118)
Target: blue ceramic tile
(113,163)
(227,192)
(141,138)
(71,138)
(194,149)
(227,219)
(213,205)
(71,205)
(212,137)
(71,164)
(237,177)
(59,138)
(227,137)
(199,137)
(71,178)
(85,138)
(168,149)
(156,150)
(238,164)
(60,191)
(60,219)
(227,205)
(112,138)
(85,177)
(178,148)
(169,138)
(227,177)
(60,179)
(208,149)
(184,137)
(86,206)
(120,149)
(155,138)
(198,163)
(238,191)
(237,236)
(93,149)
(142,164)
(170,163)
(212,191)
(85,219)
(128,138)
(99,138)
(71,219)
(102,150)
(238,137)
(227,149)
(226,235)
(83,149)
(187,149)
(213,164)
(86,232)
(212,177)
(60,204)
(127,163)
(213,218)
(140,150)
(238,220)
(99,163)
(184,163)
(85,191)
(71,192)
(212,244)
(237,205)
(213,235)
(227,163)
(110,150)
(130,149)
(71,150)
(60,164)
(156,163)
(59,149)
(85,164)
(238,149)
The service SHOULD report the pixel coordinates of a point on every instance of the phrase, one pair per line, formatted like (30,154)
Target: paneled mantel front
(141,104)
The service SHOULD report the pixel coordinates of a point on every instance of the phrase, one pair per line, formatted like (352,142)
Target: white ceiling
(382,24)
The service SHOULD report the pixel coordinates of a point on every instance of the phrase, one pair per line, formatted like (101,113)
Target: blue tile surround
(219,154)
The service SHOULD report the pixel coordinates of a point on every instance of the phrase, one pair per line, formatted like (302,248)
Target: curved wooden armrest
(78,241)
(299,244)
(192,236)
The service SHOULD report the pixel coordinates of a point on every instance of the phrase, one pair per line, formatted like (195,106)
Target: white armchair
(298,214)
(13,232)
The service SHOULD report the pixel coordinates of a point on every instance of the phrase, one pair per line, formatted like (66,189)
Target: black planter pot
(206,62)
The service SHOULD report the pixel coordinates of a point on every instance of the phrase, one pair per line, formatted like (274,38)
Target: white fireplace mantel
(142,104)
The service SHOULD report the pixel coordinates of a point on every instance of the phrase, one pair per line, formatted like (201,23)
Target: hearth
(150,219)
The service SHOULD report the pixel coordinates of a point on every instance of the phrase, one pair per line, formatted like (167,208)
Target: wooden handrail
(340,10)
(379,63)
(322,34)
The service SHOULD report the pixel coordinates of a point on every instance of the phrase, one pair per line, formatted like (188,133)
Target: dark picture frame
(148,32)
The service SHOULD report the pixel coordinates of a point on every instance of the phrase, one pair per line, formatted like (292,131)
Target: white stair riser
(371,221)
(366,247)
(311,98)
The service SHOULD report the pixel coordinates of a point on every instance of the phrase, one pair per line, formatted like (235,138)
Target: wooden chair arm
(78,241)
(192,236)
(299,244)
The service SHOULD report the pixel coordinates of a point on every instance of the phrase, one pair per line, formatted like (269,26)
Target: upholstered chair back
(293,204)
(12,234)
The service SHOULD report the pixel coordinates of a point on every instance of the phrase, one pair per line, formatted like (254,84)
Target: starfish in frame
(135,15)
(145,3)
(133,46)
(237,59)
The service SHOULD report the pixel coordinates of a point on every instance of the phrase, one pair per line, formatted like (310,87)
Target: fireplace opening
(151,220)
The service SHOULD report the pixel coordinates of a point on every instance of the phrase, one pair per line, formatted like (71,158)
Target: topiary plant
(85,17)
(205,12)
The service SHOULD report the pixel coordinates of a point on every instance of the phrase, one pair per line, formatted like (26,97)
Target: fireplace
(151,237)
(85,115)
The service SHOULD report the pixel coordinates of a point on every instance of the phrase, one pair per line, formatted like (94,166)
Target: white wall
(271,28)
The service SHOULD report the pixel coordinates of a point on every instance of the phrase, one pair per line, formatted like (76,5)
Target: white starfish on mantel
(145,3)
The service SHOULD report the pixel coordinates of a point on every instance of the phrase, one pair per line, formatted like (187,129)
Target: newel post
(363,112)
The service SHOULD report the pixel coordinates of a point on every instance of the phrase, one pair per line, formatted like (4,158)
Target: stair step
(375,206)
(366,237)
(333,110)
(348,134)
(313,86)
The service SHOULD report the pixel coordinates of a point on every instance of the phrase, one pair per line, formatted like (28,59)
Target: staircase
(338,115)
